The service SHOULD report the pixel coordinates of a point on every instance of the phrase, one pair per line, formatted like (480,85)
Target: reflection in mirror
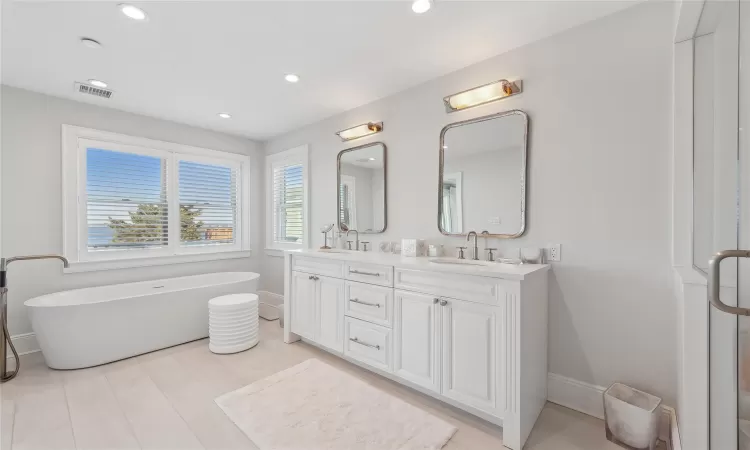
(362,188)
(483,176)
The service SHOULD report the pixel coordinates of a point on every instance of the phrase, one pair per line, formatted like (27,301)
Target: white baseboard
(270,298)
(576,395)
(587,398)
(25,343)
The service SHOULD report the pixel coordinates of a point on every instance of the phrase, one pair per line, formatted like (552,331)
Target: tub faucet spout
(4,335)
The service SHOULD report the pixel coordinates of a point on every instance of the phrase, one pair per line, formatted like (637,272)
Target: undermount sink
(459,262)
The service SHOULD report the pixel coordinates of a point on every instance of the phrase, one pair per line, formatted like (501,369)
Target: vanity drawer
(465,287)
(318,266)
(370,273)
(371,303)
(368,343)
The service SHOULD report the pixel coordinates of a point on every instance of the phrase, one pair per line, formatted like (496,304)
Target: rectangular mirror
(482,183)
(362,188)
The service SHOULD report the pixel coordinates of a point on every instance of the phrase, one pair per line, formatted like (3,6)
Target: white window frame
(296,155)
(75,141)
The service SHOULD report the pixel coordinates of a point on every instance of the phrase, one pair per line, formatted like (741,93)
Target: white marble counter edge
(503,271)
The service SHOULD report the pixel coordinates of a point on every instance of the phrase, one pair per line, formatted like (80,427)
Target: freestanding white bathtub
(92,326)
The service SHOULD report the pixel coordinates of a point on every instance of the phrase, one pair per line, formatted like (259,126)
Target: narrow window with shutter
(287,180)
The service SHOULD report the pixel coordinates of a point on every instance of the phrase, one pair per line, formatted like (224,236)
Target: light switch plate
(554,253)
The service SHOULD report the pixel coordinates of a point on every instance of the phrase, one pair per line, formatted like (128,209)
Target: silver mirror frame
(385,186)
(524,171)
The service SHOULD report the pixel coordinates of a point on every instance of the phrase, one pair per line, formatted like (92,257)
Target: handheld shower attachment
(5,336)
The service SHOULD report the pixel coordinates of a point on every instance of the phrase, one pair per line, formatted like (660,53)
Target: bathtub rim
(251,276)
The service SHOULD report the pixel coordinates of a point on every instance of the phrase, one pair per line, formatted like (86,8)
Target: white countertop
(477,268)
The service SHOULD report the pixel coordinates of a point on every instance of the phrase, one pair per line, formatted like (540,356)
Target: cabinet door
(303,304)
(470,353)
(416,341)
(329,328)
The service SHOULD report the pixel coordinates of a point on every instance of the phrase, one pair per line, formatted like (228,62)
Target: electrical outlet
(554,253)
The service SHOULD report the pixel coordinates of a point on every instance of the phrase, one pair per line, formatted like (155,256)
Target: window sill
(95,266)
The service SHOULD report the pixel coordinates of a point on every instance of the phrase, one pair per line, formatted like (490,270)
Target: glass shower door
(722,229)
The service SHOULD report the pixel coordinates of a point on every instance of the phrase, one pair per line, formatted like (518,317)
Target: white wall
(32,199)
(599,101)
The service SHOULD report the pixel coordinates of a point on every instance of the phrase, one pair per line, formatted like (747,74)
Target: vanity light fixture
(359,131)
(480,95)
(225,115)
(133,12)
(97,83)
(421,6)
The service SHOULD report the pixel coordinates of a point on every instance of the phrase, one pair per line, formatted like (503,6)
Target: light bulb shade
(487,93)
(359,131)
(133,12)
(97,83)
(421,6)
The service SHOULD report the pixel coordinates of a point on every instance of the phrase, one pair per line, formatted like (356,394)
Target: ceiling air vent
(84,88)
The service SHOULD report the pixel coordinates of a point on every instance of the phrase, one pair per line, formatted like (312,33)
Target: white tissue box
(413,247)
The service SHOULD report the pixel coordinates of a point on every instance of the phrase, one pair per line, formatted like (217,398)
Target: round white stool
(233,323)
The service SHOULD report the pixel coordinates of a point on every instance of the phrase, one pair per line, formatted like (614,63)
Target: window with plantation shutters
(126,200)
(135,199)
(287,210)
(208,203)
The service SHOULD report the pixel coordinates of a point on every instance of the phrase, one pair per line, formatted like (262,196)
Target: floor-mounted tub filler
(5,341)
(93,326)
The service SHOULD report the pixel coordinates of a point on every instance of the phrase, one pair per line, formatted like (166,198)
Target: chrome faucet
(347,235)
(475,250)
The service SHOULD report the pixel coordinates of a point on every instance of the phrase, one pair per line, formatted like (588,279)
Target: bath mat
(315,406)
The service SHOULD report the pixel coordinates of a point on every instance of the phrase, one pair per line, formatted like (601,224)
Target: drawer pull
(377,347)
(356,300)
(364,273)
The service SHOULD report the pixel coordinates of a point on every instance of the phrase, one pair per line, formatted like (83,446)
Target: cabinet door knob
(443,302)
(435,300)
(311,277)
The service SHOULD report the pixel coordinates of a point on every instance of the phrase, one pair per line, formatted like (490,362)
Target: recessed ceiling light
(421,6)
(292,78)
(133,12)
(91,43)
(371,159)
(224,115)
(97,83)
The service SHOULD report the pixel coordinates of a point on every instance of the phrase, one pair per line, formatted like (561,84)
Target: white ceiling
(192,60)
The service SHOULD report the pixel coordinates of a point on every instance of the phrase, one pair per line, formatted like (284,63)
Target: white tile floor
(165,400)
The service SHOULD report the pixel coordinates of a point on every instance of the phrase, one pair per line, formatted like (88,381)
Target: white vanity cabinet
(416,340)
(470,354)
(304,290)
(318,309)
(472,336)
